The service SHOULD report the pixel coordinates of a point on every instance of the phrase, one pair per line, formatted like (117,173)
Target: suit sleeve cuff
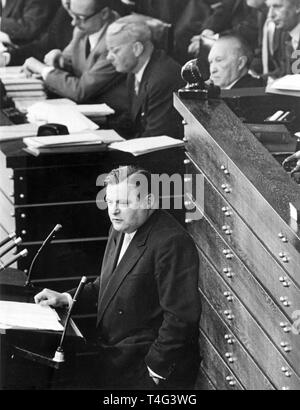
(69,298)
(46,71)
(153,374)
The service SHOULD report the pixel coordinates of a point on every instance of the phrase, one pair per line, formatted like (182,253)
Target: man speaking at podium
(148,306)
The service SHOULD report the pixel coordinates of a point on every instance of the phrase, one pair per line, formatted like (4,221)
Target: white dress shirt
(295,34)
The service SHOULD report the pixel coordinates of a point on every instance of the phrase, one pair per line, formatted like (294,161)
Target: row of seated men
(91,54)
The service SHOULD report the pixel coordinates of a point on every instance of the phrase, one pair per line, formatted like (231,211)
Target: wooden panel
(246,287)
(246,177)
(79,220)
(215,367)
(6,175)
(231,350)
(246,329)
(249,248)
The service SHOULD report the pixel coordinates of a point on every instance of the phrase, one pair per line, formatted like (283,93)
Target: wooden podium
(26,356)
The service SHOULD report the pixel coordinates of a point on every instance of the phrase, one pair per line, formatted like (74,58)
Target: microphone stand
(47,240)
(59,356)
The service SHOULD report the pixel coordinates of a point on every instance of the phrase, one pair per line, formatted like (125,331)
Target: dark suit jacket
(249,82)
(23,20)
(148,306)
(280,64)
(57,36)
(152,112)
(92,78)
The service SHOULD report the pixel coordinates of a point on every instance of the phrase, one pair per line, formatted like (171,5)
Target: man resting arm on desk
(82,72)
(148,306)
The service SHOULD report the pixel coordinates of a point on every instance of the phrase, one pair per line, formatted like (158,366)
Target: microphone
(16,242)
(8,239)
(59,354)
(45,243)
(22,254)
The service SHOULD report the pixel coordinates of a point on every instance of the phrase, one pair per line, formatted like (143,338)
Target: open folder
(140,146)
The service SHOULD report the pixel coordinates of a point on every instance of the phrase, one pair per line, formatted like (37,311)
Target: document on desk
(28,316)
(140,146)
(44,112)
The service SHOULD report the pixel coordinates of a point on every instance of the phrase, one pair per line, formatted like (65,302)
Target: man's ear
(242,62)
(138,48)
(150,201)
(105,13)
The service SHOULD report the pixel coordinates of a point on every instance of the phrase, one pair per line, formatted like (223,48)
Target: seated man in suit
(86,75)
(23,20)
(229,61)
(153,76)
(148,306)
(57,36)
(286,16)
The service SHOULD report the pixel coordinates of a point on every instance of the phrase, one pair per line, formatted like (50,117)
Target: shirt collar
(140,73)
(295,34)
(228,87)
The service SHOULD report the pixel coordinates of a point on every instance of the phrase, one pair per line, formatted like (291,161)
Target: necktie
(88,48)
(289,50)
(267,44)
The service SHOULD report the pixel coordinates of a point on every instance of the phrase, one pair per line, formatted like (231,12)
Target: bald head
(229,59)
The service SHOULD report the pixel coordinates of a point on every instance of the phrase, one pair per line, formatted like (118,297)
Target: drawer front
(273,231)
(248,289)
(215,367)
(63,260)
(251,251)
(80,220)
(56,184)
(246,329)
(231,350)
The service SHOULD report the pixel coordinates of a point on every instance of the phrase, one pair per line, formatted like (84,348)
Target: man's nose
(109,56)
(114,209)
(271,13)
(213,68)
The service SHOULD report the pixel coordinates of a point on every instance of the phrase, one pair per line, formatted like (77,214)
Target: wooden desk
(249,279)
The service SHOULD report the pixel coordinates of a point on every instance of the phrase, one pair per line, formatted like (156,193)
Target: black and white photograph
(149,198)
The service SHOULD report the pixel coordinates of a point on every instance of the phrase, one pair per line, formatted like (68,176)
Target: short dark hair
(132,173)
(246,49)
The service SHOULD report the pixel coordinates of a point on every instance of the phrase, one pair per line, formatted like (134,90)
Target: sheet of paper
(139,146)
(29,316)
(95,109)
(81,138)
(289,82)
(66,114)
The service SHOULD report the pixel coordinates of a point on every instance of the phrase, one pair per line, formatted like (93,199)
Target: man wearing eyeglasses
(81,72)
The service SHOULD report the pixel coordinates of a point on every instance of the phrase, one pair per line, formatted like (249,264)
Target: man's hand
(194,47)
(54,58)
(33,66)
(293,157)
(49,297)
(3,60)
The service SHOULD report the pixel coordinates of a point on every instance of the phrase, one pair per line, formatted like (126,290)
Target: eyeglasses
(83,19)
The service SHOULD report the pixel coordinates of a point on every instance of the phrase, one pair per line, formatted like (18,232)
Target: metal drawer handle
(228,296)
(283,238)
(286,347)
(186,162)
(231,381)
(286,327)
(284,300)
(225,170)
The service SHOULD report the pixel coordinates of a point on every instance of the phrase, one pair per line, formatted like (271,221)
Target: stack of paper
(66,114)
(140,146)
(28,316)
(69,143)
(18,86)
